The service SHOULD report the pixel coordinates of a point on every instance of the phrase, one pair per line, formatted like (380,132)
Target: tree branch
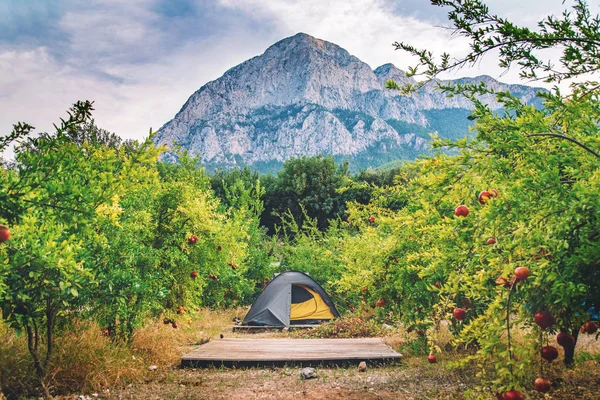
(55,206)
(556,135)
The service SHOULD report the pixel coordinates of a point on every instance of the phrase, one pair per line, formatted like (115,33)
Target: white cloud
(366,28)
(38,89)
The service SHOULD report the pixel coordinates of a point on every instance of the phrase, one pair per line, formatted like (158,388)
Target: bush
(358,326)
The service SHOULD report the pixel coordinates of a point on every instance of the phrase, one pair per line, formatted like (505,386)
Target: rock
(362,367)
(308,373)
(286,329)
(305,96)
(386,326)
(152,368)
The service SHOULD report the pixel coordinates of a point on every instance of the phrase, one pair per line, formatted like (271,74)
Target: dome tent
(291,298)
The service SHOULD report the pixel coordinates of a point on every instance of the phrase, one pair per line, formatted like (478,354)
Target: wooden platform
(259,329)
(281,352)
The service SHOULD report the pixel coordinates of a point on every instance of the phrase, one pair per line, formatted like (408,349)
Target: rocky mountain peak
(303,40)
(386,69)
(307,96)
(390,71)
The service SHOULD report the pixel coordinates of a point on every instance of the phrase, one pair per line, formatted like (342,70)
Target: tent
(291,298)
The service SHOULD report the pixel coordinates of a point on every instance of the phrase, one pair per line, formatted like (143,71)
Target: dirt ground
(408,380)
(412,378)
(399,382)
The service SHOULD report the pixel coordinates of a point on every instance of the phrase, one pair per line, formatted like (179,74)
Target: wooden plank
(259,329)
(242,352)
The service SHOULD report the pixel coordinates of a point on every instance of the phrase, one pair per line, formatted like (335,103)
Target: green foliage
(309,250)
(237,187)
(363,186)
(101,230)
(423,262)
(542,161)
(306,186)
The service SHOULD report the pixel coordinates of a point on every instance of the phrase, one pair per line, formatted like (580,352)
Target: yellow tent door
(313,308)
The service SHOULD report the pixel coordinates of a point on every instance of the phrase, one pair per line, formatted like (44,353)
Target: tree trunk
(570,352)
(50,319)
(33,346)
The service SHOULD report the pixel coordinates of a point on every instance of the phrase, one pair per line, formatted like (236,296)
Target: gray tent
(291,298)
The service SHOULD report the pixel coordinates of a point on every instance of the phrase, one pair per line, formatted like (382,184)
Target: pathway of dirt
(285,383)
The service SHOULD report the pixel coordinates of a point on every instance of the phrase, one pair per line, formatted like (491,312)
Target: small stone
(308,373)
(362,367)
(94,394)
(153,368)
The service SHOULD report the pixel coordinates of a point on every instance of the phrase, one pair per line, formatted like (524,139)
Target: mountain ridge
(307,96)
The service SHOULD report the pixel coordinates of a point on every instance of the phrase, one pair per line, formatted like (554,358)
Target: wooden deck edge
(259,329)
(372,362)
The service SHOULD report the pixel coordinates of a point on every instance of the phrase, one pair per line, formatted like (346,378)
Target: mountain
(306,96)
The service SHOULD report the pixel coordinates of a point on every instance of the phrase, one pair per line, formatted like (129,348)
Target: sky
(140,60)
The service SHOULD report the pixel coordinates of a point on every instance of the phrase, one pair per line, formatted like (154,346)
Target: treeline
(307,187)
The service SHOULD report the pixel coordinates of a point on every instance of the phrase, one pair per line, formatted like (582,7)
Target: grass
(88,362)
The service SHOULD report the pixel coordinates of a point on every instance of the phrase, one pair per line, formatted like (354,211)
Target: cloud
(30,23)
(138,61)
(366,28)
